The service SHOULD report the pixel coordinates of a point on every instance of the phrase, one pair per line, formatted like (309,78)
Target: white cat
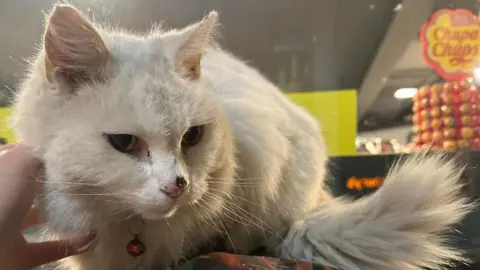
(166,138)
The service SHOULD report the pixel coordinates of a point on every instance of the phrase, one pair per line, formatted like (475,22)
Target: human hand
(18,171)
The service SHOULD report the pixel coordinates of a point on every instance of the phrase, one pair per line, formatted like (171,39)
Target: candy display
(447,117)
(377,145)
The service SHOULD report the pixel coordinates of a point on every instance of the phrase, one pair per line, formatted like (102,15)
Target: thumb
(50,251)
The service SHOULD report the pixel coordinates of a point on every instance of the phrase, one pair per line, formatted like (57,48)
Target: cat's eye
(192,136)
(122,142)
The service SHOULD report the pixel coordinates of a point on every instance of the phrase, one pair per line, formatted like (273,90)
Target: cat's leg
(260,233)
(300,191)
(302,186)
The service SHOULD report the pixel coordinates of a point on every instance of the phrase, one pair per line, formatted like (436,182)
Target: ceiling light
(398,8)
(404,93)
(476,74)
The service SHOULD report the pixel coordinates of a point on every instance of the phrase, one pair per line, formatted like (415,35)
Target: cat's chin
(154,215)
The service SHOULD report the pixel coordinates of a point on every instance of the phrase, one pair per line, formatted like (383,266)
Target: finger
(31,219)
(7,147)
(17,168)
(20,159)
(46,252)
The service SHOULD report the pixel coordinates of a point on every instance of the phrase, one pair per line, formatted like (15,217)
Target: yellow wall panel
(336,111)
(6,133)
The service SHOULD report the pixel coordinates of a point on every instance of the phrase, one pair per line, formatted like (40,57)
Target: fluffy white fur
(401,226)
(259,167)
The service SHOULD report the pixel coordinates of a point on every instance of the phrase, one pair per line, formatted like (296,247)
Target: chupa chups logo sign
(451,43)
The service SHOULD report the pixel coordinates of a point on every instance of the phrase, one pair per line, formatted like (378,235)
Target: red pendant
(135,248)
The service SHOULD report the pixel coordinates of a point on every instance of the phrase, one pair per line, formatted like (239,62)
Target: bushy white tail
(401,226)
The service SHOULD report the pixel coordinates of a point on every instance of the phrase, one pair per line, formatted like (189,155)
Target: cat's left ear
(75,54)
(187,46)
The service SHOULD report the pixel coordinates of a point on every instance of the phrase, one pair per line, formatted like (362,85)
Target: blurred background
(369,46)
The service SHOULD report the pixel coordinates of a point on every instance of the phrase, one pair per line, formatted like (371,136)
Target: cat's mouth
(161,206)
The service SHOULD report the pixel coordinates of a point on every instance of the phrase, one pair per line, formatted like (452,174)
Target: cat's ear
(75,54)
(187,46)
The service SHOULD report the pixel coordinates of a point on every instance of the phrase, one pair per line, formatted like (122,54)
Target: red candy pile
(446,117)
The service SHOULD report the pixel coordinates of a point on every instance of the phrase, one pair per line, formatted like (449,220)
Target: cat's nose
(181,182)
(175,189)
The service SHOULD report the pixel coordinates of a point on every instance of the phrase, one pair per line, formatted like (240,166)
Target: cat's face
(140,144)
(127,125)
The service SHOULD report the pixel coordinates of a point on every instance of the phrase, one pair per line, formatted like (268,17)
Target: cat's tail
(403,225)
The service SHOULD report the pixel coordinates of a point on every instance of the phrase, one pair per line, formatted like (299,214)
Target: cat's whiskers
(206,220)
(224,206)
(111,198)
(205,206)
(231,195)
(65,189)
(118,212)
(242,218)
(239,179)
(67,182)
(72,187)
(233,213)
(236,184)
(226,232)
(242,222)
(130,215)
(168,224)
(251,215)
(81,194)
